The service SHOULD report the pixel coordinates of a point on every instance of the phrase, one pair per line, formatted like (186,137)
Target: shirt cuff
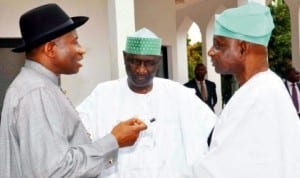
(109,145)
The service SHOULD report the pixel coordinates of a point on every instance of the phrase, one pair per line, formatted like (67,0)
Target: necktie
(203,91)
(295,96)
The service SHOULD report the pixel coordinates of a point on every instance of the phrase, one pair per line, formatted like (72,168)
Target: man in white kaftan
(258,132)
(172,143)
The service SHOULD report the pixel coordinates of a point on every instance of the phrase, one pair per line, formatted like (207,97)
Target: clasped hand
(127,132)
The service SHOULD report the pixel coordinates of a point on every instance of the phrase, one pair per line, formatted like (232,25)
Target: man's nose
(211,52)
(142,68)
(81,50)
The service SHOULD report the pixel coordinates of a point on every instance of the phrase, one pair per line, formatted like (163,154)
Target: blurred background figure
(291,82)
(205,89)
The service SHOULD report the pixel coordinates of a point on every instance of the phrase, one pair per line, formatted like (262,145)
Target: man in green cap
(258,132)
(178,122)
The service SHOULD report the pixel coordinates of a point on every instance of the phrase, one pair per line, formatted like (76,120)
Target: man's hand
(127,132)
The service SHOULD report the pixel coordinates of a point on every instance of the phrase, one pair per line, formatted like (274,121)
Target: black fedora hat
(45,23)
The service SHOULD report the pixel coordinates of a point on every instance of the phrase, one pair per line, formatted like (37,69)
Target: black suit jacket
(211,91)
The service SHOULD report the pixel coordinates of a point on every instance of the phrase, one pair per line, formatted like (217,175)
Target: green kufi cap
(143,42)
(251,22)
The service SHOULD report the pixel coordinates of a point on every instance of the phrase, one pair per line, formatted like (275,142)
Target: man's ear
(49,49)
(243,47)
(160,59)
(124,56)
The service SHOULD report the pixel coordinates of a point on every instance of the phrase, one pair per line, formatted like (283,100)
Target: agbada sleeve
(45,150)
(88,113)
(197,120)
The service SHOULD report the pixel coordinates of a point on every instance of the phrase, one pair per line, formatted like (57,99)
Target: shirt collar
(290,83)
(198,81)
(42,70)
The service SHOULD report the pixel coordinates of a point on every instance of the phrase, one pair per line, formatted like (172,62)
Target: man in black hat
(41,134)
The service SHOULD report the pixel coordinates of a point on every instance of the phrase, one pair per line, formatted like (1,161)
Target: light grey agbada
(41,134)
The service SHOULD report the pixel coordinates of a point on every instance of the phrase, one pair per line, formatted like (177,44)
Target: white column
(181,67)
(121,24)
(211,74)
(295,30)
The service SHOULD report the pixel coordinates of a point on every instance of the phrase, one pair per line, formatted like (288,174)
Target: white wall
(160,17)
(94,36)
